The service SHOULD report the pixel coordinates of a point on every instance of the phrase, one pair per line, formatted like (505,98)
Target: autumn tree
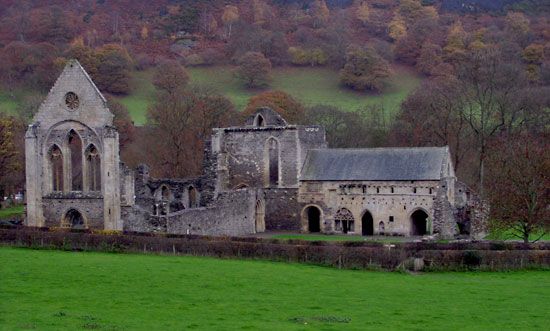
(518,180)
(362,12)
(364,69)
(170,77)
(254,69)
(319,12)
(85,55)
(283,103)
(455,49)
(113,70)
(430,58)
(229,17)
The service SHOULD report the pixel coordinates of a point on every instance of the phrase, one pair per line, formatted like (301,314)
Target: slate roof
(417,163)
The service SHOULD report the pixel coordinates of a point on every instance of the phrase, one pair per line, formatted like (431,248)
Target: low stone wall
(419,256)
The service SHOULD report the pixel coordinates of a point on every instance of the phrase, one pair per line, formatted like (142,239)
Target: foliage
(364,70)
(254,69)
(284,104)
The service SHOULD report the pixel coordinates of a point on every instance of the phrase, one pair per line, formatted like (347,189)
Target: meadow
(57,290)
(311,86)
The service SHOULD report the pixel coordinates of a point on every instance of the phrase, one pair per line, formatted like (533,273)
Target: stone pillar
(110,178)
(33,164)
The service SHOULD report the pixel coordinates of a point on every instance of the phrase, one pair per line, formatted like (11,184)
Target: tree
(170,77)
(85,55)
(455,50)
(364,69)
(229,17)
(123,122)
(320,13)
(113,70)
(397,28)
(518,182)
(429,59)
(284,104)
(254,69)
(362,12)
(431,116)
(10,164)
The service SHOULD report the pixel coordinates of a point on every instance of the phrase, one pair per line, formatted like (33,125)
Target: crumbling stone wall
(90,205)
(232,213)
(282,209)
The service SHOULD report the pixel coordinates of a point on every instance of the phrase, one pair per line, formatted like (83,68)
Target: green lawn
(324,237)
(309,85)
(54,290)
(12,211)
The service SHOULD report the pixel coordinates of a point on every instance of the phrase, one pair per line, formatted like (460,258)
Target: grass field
(54,290)
(12,211)
(309,85)
(324,237)
(7,103)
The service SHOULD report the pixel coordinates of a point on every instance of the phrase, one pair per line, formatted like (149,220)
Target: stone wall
(233,213)
(89,205)
(282,209)
(390,203)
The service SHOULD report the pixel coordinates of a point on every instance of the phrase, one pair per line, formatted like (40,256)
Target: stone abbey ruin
(267,175)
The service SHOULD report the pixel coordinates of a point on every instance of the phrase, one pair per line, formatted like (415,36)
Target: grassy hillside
(52,290)
(309,85)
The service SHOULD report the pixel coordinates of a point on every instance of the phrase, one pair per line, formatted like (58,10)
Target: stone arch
(74,219)
(367,224)
(75,164)
(259,216)
(272,163)
(311,218)
(419,222)
(192,197)
(344,221)
(55,159)
(259,120)
(93,168)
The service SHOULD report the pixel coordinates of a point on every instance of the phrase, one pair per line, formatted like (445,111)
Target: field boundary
(487,256)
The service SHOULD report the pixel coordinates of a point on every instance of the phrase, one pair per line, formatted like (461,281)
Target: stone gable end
(91,105)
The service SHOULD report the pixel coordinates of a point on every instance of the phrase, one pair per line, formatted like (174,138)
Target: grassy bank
(310,86)
(53,290)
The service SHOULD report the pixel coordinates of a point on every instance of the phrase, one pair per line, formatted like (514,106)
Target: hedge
(356,255)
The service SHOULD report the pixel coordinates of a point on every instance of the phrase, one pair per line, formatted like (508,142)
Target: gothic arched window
(56,166)
(273,162)
(93,167)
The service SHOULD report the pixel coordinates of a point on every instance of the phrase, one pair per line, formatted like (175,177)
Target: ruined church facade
(266,175)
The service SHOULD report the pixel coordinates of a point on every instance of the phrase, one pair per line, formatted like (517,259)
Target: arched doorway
(73,219)
(419,223)
(367,224)
(260,216)
(311,217)
(344,221)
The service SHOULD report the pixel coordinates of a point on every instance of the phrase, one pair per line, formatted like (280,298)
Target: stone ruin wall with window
(266,153)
